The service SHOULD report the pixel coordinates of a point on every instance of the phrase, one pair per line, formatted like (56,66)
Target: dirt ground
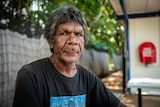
(114,83)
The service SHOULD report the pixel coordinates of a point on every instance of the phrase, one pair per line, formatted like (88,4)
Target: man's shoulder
(40,61)
(85,70)
(35,65)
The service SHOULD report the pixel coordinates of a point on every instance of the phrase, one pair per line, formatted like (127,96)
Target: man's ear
(51,46)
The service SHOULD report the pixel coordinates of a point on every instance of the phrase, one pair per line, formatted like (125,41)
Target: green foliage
(104,30)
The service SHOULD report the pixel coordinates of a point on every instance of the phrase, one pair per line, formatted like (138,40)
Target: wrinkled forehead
(70,26)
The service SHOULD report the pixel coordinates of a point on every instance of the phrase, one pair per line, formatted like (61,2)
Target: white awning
(135,7)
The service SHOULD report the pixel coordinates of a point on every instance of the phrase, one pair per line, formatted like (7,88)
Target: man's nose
(72,39)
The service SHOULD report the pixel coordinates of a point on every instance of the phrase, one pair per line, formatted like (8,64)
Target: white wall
(142,30)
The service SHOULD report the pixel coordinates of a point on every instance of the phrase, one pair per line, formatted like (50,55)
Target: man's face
(69,42)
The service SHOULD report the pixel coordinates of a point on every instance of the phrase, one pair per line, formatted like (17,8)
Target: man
(58,81)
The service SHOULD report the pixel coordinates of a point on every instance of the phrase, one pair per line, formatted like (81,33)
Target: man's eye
(63,33)
(79,34)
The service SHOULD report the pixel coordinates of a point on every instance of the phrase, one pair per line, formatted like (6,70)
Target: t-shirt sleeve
(102,96)
(26,93)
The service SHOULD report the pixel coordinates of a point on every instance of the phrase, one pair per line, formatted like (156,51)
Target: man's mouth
(71,52)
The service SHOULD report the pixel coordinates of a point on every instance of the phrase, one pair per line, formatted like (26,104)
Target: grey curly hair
(62,15)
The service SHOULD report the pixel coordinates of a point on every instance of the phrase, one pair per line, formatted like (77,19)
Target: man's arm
(102,96)
(121,105)
(26,93)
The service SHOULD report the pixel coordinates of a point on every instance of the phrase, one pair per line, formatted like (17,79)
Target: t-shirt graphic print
(68,101)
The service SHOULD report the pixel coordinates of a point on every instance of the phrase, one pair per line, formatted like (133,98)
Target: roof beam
(121,17)
(123,6)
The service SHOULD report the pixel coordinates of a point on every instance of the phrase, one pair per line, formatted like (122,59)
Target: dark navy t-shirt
(39,84)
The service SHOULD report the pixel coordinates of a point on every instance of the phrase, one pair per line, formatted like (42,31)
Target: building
(142,25)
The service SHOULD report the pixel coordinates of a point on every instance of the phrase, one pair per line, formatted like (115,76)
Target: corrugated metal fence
(17,50)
